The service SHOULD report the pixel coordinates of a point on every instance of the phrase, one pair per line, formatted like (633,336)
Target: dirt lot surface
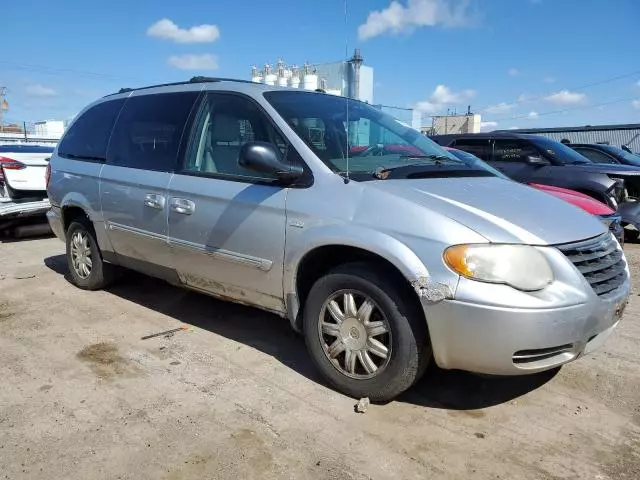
(82,396)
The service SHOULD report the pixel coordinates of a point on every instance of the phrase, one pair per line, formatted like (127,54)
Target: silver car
(383,249)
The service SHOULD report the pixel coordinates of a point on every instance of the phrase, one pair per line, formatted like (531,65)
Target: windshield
(473,161)
(630,158)
(559,151)
(372,140)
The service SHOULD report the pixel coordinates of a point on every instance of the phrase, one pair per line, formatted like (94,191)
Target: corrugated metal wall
(630,137)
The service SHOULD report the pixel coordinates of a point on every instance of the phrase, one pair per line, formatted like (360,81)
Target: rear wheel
(86,267)
(365,336)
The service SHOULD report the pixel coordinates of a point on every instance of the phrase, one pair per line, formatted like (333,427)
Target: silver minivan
(385,250)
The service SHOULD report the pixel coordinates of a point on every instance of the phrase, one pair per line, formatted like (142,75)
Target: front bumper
(497,330)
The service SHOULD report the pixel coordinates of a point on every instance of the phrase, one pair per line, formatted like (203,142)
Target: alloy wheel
(81,254)
(355,334)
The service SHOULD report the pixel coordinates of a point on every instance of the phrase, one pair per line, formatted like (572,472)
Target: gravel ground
(234,395)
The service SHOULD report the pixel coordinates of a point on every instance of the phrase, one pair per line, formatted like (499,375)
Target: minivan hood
(500,210)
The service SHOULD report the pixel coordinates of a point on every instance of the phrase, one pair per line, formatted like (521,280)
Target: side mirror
(264,157)
(536,160)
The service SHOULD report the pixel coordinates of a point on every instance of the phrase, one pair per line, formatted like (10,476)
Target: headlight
(520,266)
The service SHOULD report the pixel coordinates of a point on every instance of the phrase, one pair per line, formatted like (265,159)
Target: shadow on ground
(453,390)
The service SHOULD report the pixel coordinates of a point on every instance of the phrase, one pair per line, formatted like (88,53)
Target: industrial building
(617,135)
(447,124)
(348,78)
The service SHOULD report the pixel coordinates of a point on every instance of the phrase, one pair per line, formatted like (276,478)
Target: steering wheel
(373,151)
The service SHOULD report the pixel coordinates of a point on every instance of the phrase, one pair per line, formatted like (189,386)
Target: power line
(578,88)
(570,109)
(66,71)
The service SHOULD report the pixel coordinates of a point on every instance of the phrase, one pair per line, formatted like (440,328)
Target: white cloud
(513,128)
(638,84)
(636,104)
(549,79)
(525,97)
(500,108)
(513,72)
(441,97)
(488,126)
(398,18)
(532,115)
(168,30)
(189,61)
(565,97)
(38,90)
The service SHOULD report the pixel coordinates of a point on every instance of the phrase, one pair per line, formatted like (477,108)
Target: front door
(226,223)
(141,157)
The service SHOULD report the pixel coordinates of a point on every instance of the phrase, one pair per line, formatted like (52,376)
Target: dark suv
(599,153)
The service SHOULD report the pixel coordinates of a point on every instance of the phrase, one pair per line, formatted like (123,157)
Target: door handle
(152,200)
(183,206)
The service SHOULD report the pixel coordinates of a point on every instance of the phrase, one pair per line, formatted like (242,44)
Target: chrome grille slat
(600,260)
(583,257)
(604,262)
(609,286)
(605,274)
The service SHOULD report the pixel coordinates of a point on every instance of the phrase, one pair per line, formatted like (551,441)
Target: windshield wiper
(383,173)
(438,158)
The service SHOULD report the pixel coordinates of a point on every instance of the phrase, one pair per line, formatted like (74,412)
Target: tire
(100,273)
(407,335)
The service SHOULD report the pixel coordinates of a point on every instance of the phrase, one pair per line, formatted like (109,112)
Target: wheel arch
(326,251)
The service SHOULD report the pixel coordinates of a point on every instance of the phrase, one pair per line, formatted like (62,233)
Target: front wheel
(364,334)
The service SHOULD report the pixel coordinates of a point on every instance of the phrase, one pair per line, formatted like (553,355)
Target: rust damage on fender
(432,292)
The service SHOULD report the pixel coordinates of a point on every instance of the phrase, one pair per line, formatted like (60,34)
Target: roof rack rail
(201,79)
(198,79)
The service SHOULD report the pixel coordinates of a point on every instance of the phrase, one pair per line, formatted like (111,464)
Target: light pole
(4,105)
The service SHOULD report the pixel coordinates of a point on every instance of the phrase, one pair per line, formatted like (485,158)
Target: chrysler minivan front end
(523,309)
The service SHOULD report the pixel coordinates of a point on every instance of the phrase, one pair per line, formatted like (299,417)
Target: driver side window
(223,125)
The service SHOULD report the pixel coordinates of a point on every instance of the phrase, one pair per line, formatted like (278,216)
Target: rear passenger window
(88,136)
(479,148)
(148,131)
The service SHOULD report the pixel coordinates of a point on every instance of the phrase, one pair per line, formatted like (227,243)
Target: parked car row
(533,159)
(608,216)
(22,183)
(384,249)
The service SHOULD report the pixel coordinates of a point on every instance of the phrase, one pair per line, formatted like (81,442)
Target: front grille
(600,260)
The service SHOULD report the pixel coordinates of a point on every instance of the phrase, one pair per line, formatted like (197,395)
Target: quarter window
(479,148)
(225,123)
(88,136)
(595,155)
(148,132)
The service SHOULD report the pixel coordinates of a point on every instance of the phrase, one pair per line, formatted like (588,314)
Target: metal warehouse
(618,135)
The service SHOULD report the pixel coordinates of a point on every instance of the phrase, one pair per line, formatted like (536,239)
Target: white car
(23,170)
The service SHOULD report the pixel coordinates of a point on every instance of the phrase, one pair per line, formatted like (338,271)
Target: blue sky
(524,63)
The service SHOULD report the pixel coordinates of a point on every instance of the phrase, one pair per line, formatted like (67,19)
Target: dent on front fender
(431,286)
(432,291)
